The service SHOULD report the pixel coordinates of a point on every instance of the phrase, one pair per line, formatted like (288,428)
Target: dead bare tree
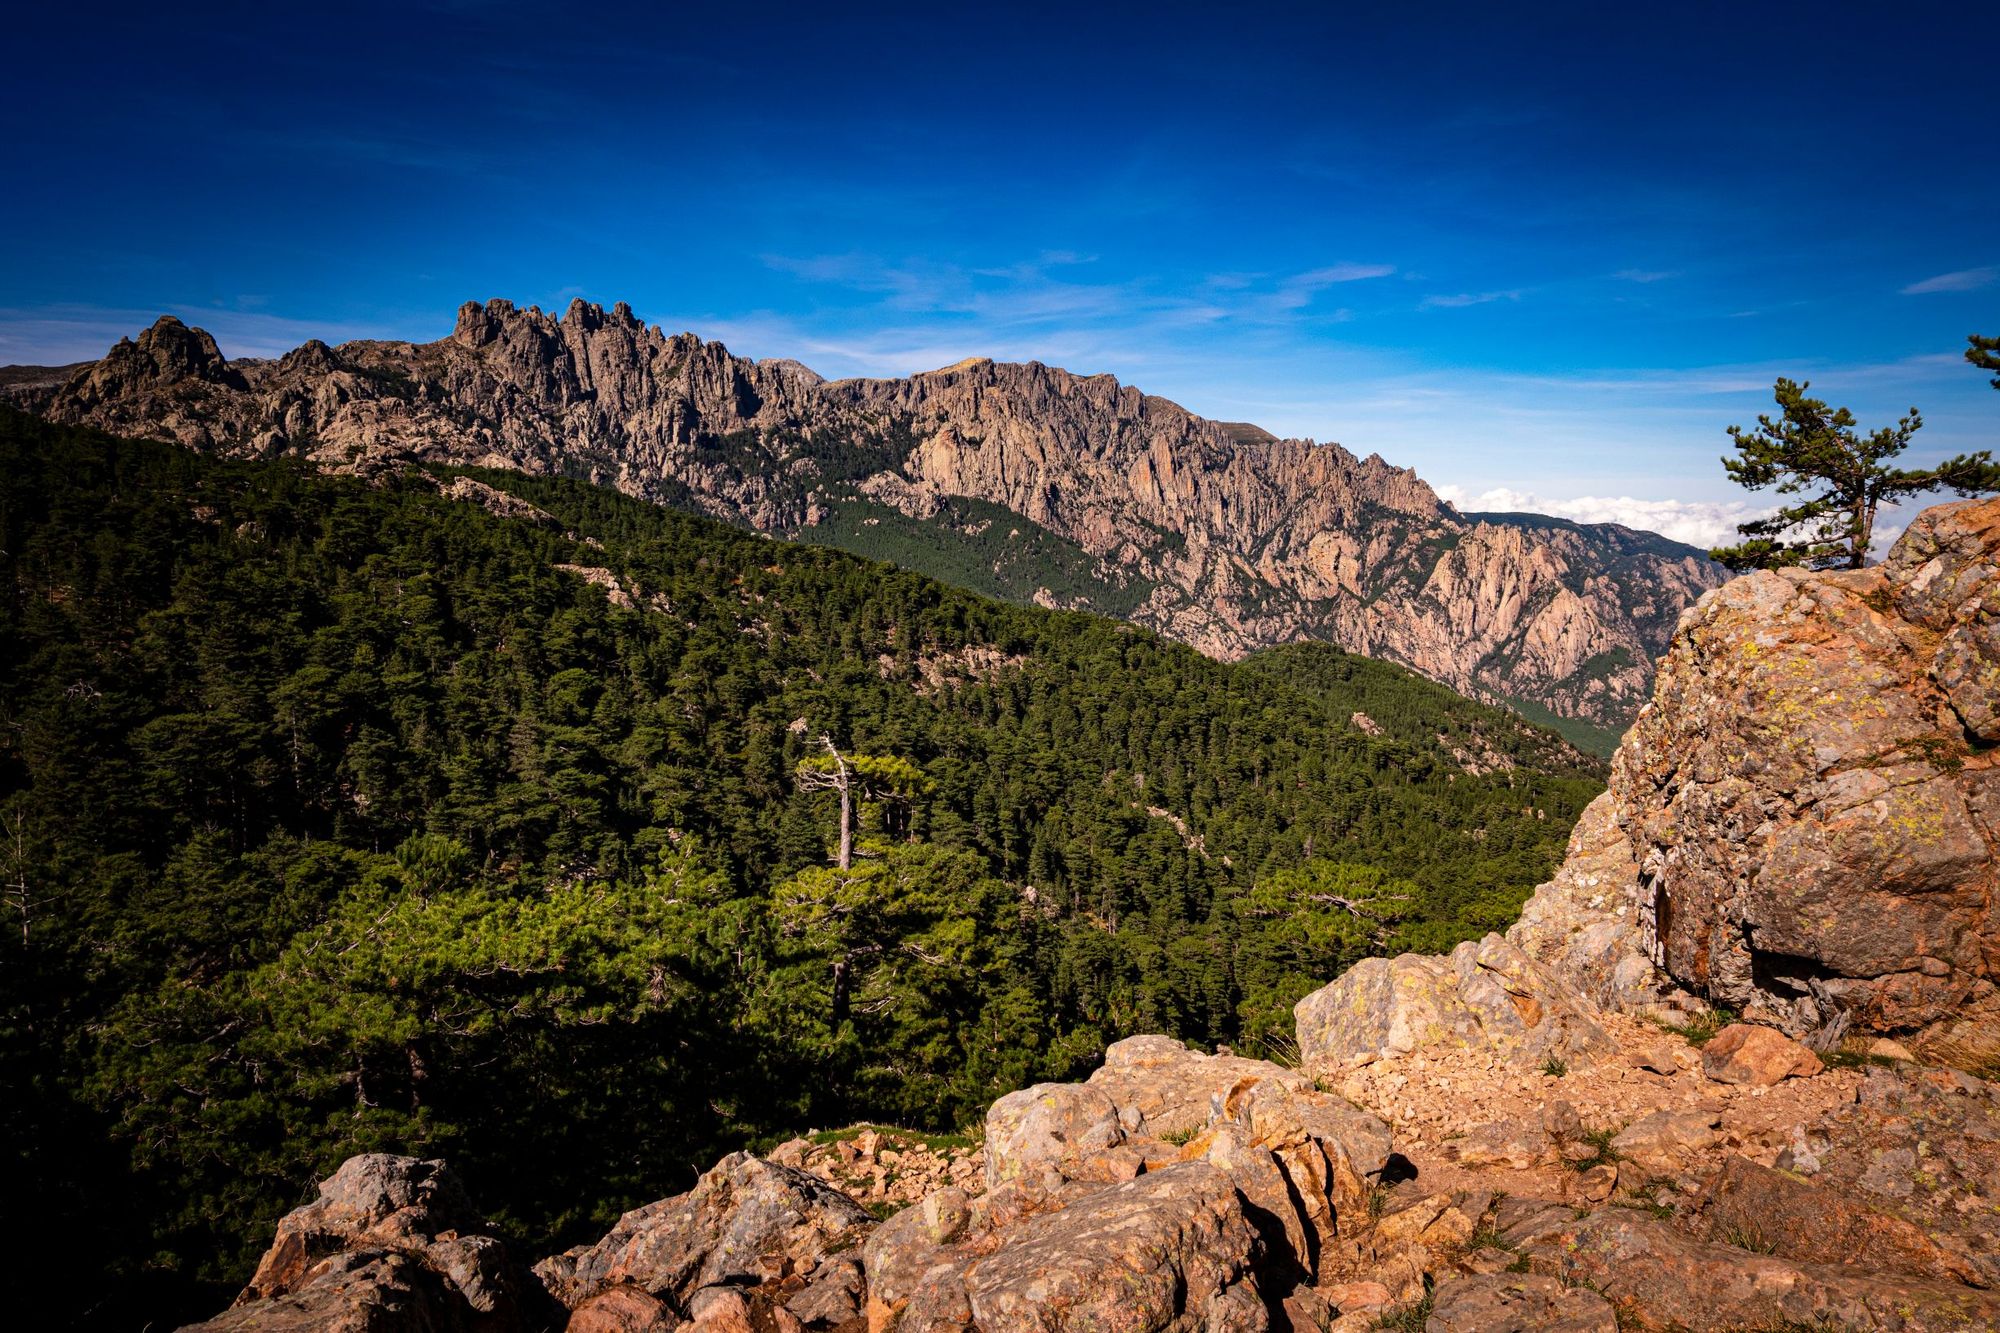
(840,778)
(16,889)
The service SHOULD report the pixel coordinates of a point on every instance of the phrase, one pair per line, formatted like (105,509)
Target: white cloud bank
(1702,523)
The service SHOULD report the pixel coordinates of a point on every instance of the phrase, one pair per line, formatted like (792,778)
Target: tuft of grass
(1839,1058)
(1277,1047)
(1644,1197)
(1703,1027)
(1599,1139)
(1520,1265)
(1555,1066)
(1486,1238)
(1749,1238)
(1180,1138)
(1409,1319)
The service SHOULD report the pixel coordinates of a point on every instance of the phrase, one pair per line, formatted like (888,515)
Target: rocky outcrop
(1222,537)
(748,1223)
(1589,928)
(1812,800)
(1801,828)
(391,1243)
(1277,1206)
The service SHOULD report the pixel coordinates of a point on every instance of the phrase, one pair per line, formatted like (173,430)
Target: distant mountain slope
(1064,489)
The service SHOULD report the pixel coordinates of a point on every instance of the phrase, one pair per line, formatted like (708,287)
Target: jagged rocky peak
(167,352)
(1221,536)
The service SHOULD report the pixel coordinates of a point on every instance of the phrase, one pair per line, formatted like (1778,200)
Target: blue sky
(1551,252)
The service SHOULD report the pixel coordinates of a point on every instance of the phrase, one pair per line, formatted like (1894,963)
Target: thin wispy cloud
(1298,291)
(1644,274)
(1963,280)
(1462,299)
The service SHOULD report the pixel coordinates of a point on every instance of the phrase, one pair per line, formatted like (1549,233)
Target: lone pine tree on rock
(1812,448)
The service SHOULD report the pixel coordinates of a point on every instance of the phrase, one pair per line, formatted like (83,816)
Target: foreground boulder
(392,1243)
(1174,1250)
(1758,1056)
(1518,1303)
(1303,1162)
(1661,1278)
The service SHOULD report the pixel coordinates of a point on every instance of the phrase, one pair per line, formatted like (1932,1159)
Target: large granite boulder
(1486,994)
(1172,1250)
(1303,1161)
(1812,799)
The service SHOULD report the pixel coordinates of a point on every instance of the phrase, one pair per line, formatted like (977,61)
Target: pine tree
(1984,352)
(1812,448)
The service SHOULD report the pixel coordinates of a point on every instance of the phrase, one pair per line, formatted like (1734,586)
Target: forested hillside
(337,813)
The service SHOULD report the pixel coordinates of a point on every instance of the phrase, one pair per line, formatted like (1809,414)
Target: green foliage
(1810,447)
(1555,1066)
(1984,352)
(1413,1318)
(983,546)
(1585,736)
(343,819)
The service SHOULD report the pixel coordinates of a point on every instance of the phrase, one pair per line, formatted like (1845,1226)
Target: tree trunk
(846,824)
(839,1006)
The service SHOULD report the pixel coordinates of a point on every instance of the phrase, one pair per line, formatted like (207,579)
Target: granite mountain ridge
(1020,480)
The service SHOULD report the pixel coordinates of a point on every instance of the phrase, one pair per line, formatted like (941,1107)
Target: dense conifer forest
(337,814)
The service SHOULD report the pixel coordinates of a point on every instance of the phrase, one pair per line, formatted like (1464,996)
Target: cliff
(1036,483)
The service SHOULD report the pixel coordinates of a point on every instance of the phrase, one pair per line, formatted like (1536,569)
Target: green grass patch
(959,1142)
(1699,1030)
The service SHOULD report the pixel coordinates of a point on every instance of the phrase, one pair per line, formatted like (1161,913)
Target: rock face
(1278,1206)
(746,1223)
(1222,537)
(1800,828)
(1487,994)
(1812,800)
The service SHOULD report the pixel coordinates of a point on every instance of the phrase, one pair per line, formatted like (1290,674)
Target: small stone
(1349,1296)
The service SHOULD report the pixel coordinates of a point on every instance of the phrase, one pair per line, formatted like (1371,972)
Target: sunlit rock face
(1812,799)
